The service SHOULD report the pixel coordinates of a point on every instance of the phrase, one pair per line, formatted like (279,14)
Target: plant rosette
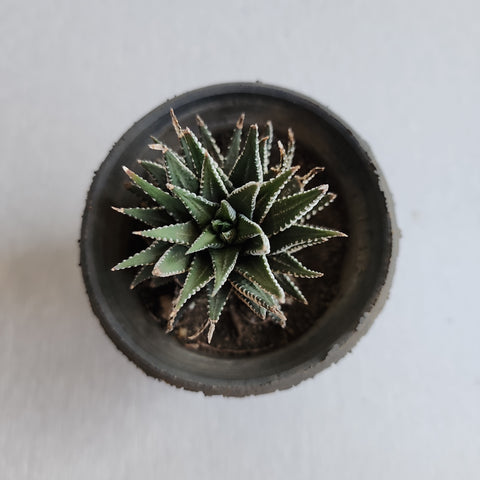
(230,248)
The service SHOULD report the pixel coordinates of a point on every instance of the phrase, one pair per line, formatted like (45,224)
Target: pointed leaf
(258,310)
(290,149)
(173,262)
(243,198)
(183,142)
(269,192)
(200,209)
(288,264)
(266,147)
(156,170)
(255,294)
(199,274)
(145,273)
(179,174)
(164,199)
(216,304)
(223,261)
(246,228)
(195,148)
(291,288)
(289,210)
(226,212)
(234,147)
(297,184)
(217,301)
(155,217)
(258,271)
(209,141)
(146,257)
(324,202)
(181,233)
(212,186)
(226,181)
(207,239)
(300,236)
(259,245)
(248,167)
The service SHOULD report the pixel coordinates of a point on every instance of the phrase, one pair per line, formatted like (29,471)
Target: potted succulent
(230,232)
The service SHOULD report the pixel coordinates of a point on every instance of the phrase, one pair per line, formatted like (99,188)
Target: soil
(239,332)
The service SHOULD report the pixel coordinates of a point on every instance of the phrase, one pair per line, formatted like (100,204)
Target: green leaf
(183,142)
(258,271)
(243,198)
(173,206)
(234,147)
(155,217)
(212,187)
(259,245)
(297,184)
(255,294)
(226,181)
(195,148)
(200,209)
(145,273)
(179,174)
(145,257)
(173,262)
(181,233)
(248,167)
(324,202)
(258,310)
(226,212)
(266,147)
(289,210)
(207,239)
(209,141)
(246,229)
(216,304)
(269,192)
(199,275)
(291,288)
(300,236)
(156,170)
(288,264)
(290,149)
(223,261)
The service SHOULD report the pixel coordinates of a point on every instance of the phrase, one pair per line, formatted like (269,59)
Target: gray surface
(404,404)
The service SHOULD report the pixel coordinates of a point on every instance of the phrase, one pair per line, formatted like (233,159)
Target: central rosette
(225,226)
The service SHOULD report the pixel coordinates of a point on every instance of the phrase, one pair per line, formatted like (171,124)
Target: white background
(75,75)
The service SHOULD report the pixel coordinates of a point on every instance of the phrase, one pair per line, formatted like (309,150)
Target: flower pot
(360,270)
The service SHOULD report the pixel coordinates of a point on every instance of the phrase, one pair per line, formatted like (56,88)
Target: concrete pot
(367,267)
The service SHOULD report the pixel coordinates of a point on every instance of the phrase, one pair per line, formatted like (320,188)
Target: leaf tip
(176,124)
(158,146)
(211,329)
(128,171)
(240,121)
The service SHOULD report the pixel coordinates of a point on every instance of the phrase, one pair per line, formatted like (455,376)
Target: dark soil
(239,332)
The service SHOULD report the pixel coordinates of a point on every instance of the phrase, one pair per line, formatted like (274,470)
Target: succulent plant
(228,223)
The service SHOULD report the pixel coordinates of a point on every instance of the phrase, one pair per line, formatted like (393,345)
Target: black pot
(367,266)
